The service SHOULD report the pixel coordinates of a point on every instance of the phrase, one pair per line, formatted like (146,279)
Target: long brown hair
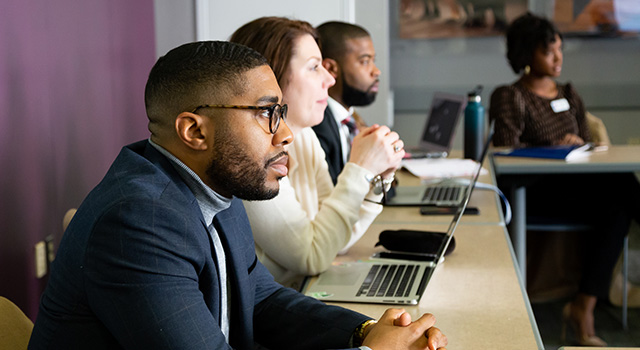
(274,38)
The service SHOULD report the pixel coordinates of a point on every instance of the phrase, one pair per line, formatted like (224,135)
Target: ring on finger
(396,148)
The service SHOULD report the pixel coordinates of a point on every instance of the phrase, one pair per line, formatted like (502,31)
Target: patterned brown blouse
(526,119)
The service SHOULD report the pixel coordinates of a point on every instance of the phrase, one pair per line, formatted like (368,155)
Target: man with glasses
(160,254)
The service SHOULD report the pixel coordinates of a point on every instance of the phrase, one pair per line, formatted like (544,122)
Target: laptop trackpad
(343,275)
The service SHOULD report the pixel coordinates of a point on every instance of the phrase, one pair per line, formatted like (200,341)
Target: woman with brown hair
(299,232)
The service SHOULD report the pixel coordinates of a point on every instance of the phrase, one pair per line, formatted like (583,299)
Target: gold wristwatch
(358,334)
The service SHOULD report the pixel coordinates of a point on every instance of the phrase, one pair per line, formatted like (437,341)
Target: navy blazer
(136,269)
(329,136)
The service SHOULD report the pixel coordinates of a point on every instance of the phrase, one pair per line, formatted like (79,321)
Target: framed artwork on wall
(597,18)
(433,19)
(436,19)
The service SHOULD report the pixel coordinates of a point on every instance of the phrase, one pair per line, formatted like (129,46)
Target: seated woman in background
(301,230)
(538,111)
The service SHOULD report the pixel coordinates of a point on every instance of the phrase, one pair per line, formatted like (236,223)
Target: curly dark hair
(526,34)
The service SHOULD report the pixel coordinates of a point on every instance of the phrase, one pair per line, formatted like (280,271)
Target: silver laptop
(440,126)
(436,142)
(440,193)
(388,281)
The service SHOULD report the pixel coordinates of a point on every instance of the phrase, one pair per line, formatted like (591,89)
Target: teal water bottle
(474,125)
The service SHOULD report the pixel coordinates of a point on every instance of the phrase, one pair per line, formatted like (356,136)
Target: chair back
(598,131)
(67,218)
(15,326)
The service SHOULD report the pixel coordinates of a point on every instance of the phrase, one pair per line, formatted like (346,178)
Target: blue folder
(550,152)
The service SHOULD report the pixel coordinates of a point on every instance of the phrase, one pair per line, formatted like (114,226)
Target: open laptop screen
(471,186)
(441,124)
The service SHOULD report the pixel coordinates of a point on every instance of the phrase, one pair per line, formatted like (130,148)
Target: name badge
(560,105)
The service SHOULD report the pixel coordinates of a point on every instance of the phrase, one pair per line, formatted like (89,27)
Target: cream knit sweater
(300,231)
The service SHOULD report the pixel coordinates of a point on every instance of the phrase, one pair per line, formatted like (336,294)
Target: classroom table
(617,159)
(476,294)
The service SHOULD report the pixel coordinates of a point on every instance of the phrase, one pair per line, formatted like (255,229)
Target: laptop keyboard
(445,195)
(384,280)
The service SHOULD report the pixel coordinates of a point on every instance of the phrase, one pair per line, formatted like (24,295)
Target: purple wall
(72,77)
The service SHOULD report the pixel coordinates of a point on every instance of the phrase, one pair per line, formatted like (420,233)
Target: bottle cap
(476,91)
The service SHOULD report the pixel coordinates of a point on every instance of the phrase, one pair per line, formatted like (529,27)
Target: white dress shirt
(340,113)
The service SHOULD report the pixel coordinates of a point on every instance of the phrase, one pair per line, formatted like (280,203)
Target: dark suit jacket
(329,137)
(136,270)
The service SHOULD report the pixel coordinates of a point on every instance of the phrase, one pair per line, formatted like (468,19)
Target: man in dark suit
(348,54)
(160,254)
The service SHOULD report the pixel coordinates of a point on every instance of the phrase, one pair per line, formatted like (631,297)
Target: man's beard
(354,97)
(234,171)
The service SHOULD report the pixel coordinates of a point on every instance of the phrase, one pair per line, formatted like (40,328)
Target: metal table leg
(518,228)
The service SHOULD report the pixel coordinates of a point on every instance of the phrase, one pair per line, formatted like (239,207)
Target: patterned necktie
(353,129)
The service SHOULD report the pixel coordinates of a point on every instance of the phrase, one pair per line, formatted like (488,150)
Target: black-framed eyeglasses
(275,112)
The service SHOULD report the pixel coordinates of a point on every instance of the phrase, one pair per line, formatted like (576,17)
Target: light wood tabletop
(616,159)
(475,293)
